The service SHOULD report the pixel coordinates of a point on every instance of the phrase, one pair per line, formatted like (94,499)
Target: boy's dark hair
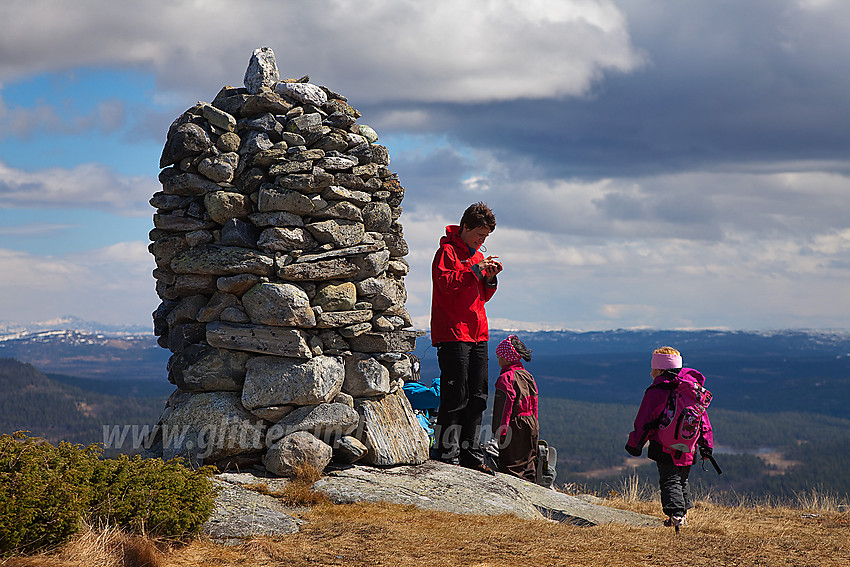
(520,348)
(478,214)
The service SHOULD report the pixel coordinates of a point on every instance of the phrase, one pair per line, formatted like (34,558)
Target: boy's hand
(490,267)
(705,452)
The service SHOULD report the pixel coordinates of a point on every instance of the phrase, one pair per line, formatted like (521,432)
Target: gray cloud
(726,85)
(650,162)
(458,50)
(87,186)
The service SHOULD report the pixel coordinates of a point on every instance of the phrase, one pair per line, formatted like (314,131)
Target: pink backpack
(679,423)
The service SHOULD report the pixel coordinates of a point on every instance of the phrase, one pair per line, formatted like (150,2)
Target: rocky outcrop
(430,486)
(280,265)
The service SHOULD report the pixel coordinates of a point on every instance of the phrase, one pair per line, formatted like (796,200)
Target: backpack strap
(651,425)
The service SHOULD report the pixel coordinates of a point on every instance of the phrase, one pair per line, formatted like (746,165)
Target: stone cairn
(280,265)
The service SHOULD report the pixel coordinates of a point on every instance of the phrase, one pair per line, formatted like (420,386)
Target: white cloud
(110,285)
(87,186)
(444,50)
(754,275)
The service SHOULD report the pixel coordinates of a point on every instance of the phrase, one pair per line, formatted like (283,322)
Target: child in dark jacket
(657,410)
(515,424)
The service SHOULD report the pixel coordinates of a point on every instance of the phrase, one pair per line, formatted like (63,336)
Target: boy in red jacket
(462,281)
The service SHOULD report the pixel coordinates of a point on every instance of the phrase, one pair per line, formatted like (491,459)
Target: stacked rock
(280,265)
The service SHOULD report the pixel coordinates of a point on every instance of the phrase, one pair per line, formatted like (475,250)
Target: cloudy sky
(651,163)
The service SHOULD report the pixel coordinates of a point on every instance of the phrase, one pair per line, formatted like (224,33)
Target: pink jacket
(519,391)
(653,405)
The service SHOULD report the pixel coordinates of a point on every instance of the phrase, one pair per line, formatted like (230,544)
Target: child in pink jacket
(515,425)
(673,435)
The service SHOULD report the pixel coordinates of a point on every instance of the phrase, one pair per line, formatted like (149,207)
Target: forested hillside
(750,372)
(777,454)
(56,411)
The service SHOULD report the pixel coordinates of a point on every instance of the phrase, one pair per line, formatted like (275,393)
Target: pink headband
(665,361)
(507,351)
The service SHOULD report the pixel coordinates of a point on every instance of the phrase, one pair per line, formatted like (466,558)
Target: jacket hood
(452,236)
(685,374)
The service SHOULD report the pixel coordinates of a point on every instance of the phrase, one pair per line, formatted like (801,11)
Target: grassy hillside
(57,411)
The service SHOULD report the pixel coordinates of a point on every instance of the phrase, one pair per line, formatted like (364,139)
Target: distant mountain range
(770,371)
(68,323)
(791,370)
(99,355)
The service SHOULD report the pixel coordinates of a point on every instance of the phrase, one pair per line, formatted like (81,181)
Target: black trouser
(463,398)
(675,491)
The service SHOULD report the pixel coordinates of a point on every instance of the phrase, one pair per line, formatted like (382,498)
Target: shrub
(153,497)
(43,492)
(47,492)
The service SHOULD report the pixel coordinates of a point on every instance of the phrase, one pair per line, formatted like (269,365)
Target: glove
(634,451)
(705,452)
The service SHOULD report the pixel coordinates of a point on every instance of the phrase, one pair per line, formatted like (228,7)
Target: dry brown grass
(109,547)
(388,534)
(299,491)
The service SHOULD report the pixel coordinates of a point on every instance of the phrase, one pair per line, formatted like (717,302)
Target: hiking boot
(676,521)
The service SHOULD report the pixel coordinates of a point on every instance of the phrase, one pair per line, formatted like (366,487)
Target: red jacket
(458,292)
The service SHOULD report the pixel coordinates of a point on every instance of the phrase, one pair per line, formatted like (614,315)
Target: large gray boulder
(327,422)
(450,488)
(200,368)
(282,341)
(280,381)
(390,431)
(262,71)
(209,426)
(305,93)
(297,449)
(241,514)
(430,486)
(365,376)
(278,304)
(222,261)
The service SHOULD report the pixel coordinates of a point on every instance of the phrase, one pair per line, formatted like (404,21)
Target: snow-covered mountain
(14,329)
